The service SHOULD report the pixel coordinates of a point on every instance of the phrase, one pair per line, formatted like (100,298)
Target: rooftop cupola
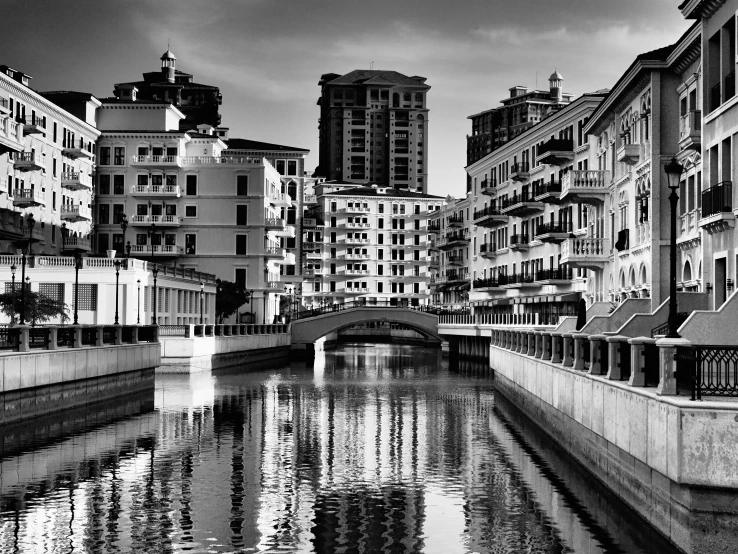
(556,85)
(168,62)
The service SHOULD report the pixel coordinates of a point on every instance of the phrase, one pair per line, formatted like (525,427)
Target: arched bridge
(306,331)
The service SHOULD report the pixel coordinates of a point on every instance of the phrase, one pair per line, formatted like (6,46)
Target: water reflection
(374,449)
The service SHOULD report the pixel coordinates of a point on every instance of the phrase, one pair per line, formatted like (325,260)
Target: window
(87,297)
(104,155)
(119,155)
(103,214)
(55,291)
(380,270)
(191,185)
(118,213)
(241,277)
(103,185)
(381,208)
(241,215)
(380,223)
(292,167)
(190,244)
(380,287)
(119,184)
(242,185)
(280,167)
(190,211)
(334,207)
(241,245)
(333,286)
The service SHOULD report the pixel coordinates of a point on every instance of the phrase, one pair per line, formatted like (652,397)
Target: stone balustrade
(23,338)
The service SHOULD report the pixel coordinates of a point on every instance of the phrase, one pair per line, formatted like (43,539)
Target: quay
(647,416)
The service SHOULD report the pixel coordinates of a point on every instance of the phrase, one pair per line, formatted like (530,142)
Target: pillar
(557,348)
(614,372)
(668,364)
(545,346)
(568,359)
(531,343)
(579,346)
(596,343)
(638,360)
(539,347)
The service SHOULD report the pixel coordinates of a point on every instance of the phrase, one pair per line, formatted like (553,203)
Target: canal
(375,448)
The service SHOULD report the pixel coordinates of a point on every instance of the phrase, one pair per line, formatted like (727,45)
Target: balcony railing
(487,248)
(557,274)
(551,187)
(490,282)
(585,251)
(167,220)
(168,161)
(28,197)
(556,227)
(171,191)
(556,151)
(519,171)
(690,129)
(159,249)
(75,213)
(588,186)
(519,239)
(73,180)
(717,199)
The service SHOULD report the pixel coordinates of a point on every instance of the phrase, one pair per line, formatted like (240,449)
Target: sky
(268,55)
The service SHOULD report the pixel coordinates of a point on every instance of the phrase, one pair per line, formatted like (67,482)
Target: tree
(39,307)
(228,298)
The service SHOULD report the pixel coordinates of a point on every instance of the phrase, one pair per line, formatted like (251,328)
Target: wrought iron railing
(706,370)
(717,199)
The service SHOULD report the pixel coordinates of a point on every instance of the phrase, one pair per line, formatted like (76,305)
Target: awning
(502,301)
(569,297)
(465,286)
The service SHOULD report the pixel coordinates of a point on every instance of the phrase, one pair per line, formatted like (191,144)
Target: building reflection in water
(374,449)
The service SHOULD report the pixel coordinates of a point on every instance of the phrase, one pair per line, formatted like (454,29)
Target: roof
(67,95)
(377,77)
(247,144)
(116,100)
(556,76)
(374,191)
(168,55)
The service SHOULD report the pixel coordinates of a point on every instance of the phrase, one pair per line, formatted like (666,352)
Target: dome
(556,76)
(168,55)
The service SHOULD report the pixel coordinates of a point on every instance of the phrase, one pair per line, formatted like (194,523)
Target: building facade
(524,219)
(369,244)
(450,260)
(495,127)
(374,129)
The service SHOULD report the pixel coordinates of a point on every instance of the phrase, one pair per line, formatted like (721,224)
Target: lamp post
(12,311)
(138,304)
(673,175)
(30,223)
(151,232)
(117,277)
(202,294)
(77,267)
(64,233)
(124,226)
(154,272)
(128,249)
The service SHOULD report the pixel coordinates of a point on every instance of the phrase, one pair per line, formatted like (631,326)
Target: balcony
(159,220)
(288,231)
(33,125)
(11,136)
(312,272)
(585,253)
(78,244)
(455,221)
(556,152)
(28,161)
(548,193)
(489,217)
(311,222)
(553,232)
(585,186)
(520,171)
(28,198)
(155,191)
(486,284)
(314,256)
(434,227)
(74,180)
(629,154)
(520,205)
(434,263)
(455,260)
(356,240)
(361,122)
(489,187)
(452,240)
(70,212)
(519,242)
(274,252)
(488,250)
(355,208)
(274,223)
(169,250)
(310,245)
(4,105)
(280,200)
(156,161)
(287,259)
(558,276)
(36,234)
(518,281)
(717,208)
(690,131)
(77,152)
(357,256)
(353,271)
(356,225)
(309,199)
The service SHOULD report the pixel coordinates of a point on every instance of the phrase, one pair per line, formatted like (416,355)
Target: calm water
(374,449)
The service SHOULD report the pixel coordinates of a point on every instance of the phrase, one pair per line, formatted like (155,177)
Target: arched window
(421,117)
(418,97)
(292,190)
(396,100)
(687,273)
(406,97)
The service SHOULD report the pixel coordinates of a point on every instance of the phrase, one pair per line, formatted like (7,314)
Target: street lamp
(128,249)
(154,272)
(151,231)
(202,293)
(116,263)
(138,304)
(673,175)
(30,223)
(64,233)
(124,226)
(12,313)
(77,267)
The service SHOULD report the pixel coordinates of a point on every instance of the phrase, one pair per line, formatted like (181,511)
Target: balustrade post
(596,343)
(99,336)
(78,337)
(614,372)
(557,348)
(579,350)
(134,334)
(53,337)
(119,334)
(531,350)
(545,346)
(638,360)
(24,338)
(568,360)
(668,365)
(538,352)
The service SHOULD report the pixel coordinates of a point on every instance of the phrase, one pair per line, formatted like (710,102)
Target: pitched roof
(374,191)
(247,144)
(377,76)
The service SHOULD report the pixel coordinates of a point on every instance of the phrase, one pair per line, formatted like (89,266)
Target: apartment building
(713,89)
(367,243)
(47,173)
(524,217)
(199,103)
(450,261)
(374,129)
(495,127)
(651,115)
(176,197)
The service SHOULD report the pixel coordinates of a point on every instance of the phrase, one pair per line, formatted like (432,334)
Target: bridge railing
(23,338)
(221,330)
(371,303)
